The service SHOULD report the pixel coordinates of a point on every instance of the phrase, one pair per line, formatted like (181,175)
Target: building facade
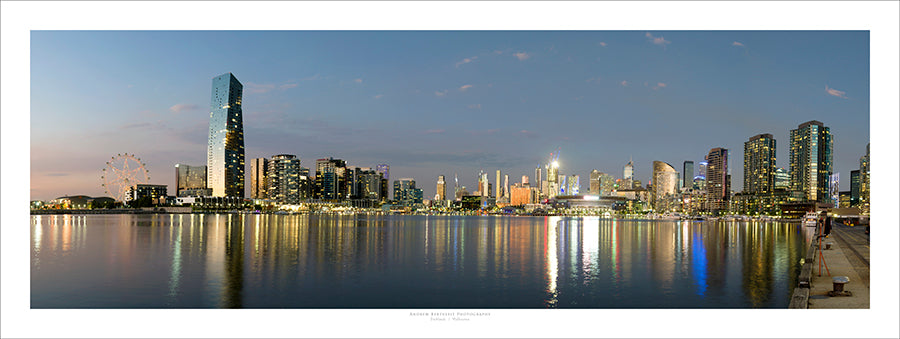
(441,189)
(718,185)
(864,183)
(259,178)
(284,184)
(225,149)
(811,161)
(687,175)
(189,179)
(665,187)
(331,179)
(406,193)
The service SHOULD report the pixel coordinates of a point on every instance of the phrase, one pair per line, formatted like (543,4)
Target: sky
(432,103)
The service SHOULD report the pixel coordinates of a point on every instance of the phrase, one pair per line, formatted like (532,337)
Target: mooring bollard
(827,245)
(838,283)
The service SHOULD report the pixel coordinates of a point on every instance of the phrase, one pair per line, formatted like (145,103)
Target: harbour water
(403,261)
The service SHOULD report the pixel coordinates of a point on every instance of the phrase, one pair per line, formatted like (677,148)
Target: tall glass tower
(811,160)
(225,151)
(759,164)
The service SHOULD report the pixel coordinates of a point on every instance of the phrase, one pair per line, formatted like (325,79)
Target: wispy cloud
(737,44)
(378,96)
(834,92)
(522,56)
(475,106)
(657,40)
(464,88)
(659,85)
(253,87)
(136,125)
(178,108)
(602,44)
(624,83)
(358,81)
(286,86)
(465,61)
(440,93)
(528,134)
(309,78)
(484,132)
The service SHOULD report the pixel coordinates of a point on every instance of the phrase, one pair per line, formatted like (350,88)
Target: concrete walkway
(848,256)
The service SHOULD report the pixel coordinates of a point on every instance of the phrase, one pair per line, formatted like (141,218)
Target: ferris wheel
(122,172)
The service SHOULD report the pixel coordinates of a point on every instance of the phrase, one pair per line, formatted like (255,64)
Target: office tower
(563,185)
(811,160)
(665,186)
(854,188)
(225,150)
(538,178)
(782,179)
(700,179)
(506,185)
(259,169)
(628,174)
(687,176)
(441,189)
(573,185)
(385,171)
(331,179)
(759,165)
(553,184)
(718,185)
(607,184)
(594,178)
(406,193)
(499,190)
(368,182)
(306,184)
(190,180)
(485,188)
(864,183)
(834,188)
(284,179)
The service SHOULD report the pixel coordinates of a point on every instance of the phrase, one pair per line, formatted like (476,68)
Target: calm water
(299,261)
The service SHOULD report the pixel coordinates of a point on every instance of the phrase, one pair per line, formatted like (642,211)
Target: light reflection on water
(299,261)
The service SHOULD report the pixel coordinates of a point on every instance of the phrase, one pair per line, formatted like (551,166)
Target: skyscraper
(718,186)
(811,160)
(385,171)
(687,175)
(225,150)
(506,186)
(782,179)
(573,185)
(700,178)
(665,186)
(441,189)
(607,184)
(498,187)
(284,179)
(406,193)
(759,165)
(259,187)
(553,184)
(864,183)
(854,188)
(538,177)
(628,174)
(594,178)
(331,180)
(189,180)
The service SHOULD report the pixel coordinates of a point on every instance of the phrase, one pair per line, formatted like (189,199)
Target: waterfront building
(539,179)
(782,179)
(553,184)
(406,193)
(259,183)
(573,186)
(665,187)
(460,192)
(607,185)
(331,179)
(225,149)
(594,187)
(368,184)
(628,175)
(284,179)
(833,188)
(700,178)
(498,186)
(811,160)
(189,179)
(441,189)
(156,194)
(385,171)
(506,186)
(759,164)
(718,183)
(687,174)
(864,184)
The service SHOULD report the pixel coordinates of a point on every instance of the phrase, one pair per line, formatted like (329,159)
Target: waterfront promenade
(848,256)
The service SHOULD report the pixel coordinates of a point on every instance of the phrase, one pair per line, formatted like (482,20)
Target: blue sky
(441,102)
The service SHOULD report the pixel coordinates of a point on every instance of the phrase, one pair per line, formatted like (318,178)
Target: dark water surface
(360,261)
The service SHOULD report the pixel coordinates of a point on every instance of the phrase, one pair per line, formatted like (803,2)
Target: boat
(811,219)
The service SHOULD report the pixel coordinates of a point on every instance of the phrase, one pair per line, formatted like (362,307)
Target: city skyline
(450,107)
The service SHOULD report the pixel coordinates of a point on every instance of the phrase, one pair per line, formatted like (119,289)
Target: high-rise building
(189,180)
(572,185)
(594,178)
(665,187)
(854,188)
(782,179)
(368,184)
(700,178)
(607,184)
(538,177)
(406,193)
(259,187)
(864,183)
(499,188)
(385,171)
(811,161)
(687,175)
(759,165)
(225,150)
(441,189)
(331,179)
(553,184)
(506,185)
(284,179)
(834,188)
(718,185)
(628,174)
